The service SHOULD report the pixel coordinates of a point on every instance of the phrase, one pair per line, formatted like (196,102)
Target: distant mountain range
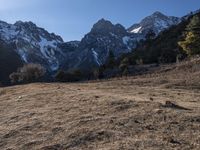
(36,45)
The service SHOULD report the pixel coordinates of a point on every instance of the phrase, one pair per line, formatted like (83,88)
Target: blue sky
(72,19)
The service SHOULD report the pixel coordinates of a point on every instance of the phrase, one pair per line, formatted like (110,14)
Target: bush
(98,73)
(60,76)
(15,77)
(72,76)
(77,74)
(28,73)
(124,64)
(125,72)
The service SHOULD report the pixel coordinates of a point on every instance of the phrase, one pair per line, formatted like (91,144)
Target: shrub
(72,76)
(28,73)
(124,66)
(98,73)
(125,72)
(60,76)
(15,77)
(139,61)
(77,73)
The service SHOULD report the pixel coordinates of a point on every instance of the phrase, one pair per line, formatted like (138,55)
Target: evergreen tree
(125,72)
(111,59)
(60,76)
(194,25)
(124,66)
(150,35)
(191,44)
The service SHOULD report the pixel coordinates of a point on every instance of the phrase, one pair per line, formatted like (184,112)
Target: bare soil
(159,110)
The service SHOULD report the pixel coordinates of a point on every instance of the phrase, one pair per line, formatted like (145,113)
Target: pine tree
(194,25)
(111,60)
(191,44)
(60,76)
(125,72)
(150,35)
(124,66)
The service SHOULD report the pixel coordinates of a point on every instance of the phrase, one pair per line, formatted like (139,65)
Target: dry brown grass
(124,113)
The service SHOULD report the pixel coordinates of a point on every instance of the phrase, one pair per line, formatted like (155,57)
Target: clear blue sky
(72,19)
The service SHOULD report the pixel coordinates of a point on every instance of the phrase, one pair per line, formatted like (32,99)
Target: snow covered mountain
(32,43)
(94,48)
(156,22)
(35,45)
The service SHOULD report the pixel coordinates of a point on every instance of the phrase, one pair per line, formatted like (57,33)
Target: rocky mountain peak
(156,22)
(25,24)
(158,14)
(119,26)
(102,25)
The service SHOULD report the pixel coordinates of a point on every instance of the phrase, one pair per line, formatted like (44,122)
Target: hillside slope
(10,61)
(125,113)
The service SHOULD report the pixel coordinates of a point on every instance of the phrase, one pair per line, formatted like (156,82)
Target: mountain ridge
(36,45)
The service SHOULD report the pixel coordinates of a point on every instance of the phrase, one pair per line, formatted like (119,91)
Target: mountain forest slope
(9,61)
(158,110)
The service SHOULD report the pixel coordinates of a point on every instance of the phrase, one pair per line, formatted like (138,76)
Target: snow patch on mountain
(136,30)
(128,41)
(22,53)
(125,40)
(113,35)
(95,54)
(47,49)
